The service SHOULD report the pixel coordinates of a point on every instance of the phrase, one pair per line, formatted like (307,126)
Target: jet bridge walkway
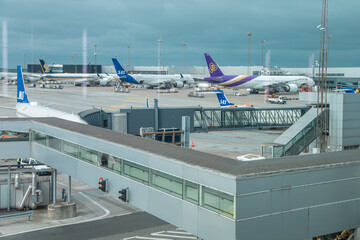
(201,119)
(297,137)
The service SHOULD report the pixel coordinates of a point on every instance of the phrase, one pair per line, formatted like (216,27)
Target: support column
(185,137)
(9,192)
(69,190)
(54,185)
(156,109)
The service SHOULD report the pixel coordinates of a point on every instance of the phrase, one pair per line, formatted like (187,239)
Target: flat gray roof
(201,159)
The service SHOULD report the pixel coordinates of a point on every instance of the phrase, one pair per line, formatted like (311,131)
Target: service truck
(278,100)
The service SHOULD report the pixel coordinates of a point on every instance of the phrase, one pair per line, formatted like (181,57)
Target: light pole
(74,61)
(249,34)
(159,54)
(128,55)
(184,44)
(24,61)
(262,53)
(95,68)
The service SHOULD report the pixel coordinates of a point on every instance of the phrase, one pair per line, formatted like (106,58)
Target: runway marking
(162,234)
(118,106)
(139,100)
(147,238)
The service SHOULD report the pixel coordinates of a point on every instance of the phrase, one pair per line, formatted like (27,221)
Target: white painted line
(176,232)
(161,234)
(148,238)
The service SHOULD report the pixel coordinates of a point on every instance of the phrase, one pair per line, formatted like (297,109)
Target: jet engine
(291,88)
(103,81)
(178,84)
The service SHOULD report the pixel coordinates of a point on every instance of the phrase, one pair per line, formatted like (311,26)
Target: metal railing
(17,215)
(298,143)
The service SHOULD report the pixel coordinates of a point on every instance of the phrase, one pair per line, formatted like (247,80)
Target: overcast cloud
(53,30)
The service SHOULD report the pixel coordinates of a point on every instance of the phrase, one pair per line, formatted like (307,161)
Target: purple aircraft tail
(214,69)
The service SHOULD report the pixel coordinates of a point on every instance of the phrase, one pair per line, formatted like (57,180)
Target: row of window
(206,197)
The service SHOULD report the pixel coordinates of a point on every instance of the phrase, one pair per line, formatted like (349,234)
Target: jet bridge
(201,119)
(213,197)
(297,137)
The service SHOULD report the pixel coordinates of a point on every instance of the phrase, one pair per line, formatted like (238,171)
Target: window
(167,183)
(218,201)
(136,172)
(40,138)
(54,143)
(70,149)
(191,192)
(88,155)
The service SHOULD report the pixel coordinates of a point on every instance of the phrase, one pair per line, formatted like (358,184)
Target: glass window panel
(13,136)
(89,155)
(54,143)
(70,148)
(40,138)
(136,172)
(167,183)
(191,192)
(115,164)
(217,201)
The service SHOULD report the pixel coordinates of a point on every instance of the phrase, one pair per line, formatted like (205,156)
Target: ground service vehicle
(278,100)
(42,169)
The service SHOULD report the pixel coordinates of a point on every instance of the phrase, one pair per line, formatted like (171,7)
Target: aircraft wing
(5,107)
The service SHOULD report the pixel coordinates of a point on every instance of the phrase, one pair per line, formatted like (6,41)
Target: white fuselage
(155,79)
(34,110)
(262,82)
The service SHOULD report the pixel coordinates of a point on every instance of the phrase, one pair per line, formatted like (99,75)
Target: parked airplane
(153,80)
(224,102)
(24,108)
(12,77)
(76,78)
(270,83)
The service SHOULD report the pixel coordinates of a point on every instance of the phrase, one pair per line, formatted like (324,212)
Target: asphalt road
(118,227)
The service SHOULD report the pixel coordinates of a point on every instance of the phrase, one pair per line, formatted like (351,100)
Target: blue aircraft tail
(224,102)
(214,69)
(122,73)
(44,67)
(21,94)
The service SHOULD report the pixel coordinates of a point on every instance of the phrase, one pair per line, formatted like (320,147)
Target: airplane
(76,78)
(255,82)
(224,102)
(24,108)
(152,80)
(12,77)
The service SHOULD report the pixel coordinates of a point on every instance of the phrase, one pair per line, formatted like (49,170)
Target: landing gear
(254,91)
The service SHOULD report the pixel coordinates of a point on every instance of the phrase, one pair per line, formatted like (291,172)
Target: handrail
(16,215)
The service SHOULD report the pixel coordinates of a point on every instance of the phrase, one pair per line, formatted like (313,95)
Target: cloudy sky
(53,30)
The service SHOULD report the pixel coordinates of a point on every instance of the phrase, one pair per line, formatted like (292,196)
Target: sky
(53,30)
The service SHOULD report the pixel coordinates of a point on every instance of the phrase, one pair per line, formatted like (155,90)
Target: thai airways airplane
(76,78)
(272,83)
(153,80)
(24,108)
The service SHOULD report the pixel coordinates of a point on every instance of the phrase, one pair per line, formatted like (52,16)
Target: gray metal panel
(10,150)
(119,122)
(214,226)
(3,196)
